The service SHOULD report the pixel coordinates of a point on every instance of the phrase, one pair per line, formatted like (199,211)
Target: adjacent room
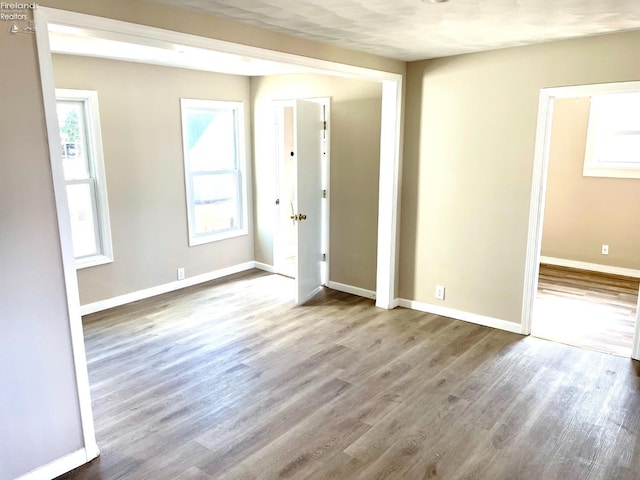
(589,276)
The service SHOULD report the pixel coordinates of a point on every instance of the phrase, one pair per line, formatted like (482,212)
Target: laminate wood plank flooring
(229,380)
(586,309)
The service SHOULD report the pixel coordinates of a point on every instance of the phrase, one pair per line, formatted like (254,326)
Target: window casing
(214,162)
(613,136)
(83,168)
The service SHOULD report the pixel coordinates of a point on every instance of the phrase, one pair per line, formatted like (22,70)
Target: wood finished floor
(228,380)
(586,309)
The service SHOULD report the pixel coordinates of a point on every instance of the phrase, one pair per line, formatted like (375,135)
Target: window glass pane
(215,199)
(620,111)
(620,148)
(211,139)
(83,223)
(72,135)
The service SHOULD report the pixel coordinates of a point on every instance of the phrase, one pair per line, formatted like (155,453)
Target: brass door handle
(302,217)
(294,218)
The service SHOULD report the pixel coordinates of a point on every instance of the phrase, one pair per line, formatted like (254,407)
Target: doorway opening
(288,177)
(285,241)
(581,285)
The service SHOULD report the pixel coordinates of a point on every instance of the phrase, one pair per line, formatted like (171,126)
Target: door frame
(389,187)
(326,171)
(539,189)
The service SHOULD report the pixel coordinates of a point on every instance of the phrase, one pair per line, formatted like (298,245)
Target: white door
(308,217)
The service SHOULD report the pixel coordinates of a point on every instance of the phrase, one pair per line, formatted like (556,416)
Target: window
(613,136)
(213,141)
(83,167)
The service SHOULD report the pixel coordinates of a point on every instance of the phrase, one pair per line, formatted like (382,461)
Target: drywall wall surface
(469,139)
(170,18)
(39,410)
(583,213)
(354,169)
(144,165)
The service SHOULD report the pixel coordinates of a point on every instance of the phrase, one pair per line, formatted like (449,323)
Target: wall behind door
(583,213)
(355,164)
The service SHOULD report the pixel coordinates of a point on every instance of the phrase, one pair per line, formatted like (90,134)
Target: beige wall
(39,410)
(355,165)
(468,155)
(583,213)
(142,140)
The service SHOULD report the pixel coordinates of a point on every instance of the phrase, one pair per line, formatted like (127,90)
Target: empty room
(300,240)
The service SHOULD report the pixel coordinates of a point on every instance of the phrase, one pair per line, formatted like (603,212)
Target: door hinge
(324,194)
(324,125)
(324,257)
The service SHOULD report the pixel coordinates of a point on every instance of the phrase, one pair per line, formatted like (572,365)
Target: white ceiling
(414,30)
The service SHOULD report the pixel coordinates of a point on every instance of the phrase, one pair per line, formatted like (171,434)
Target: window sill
(611,172)
(214,237)
(92,261)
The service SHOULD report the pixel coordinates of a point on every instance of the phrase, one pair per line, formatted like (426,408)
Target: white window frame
(241,183)
(593,166)
(97,180)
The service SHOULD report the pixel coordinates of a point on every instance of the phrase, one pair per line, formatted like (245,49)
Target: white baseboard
(265,267)
(361,292)
(460,315)
(57,467)
(594,267)
(164,288)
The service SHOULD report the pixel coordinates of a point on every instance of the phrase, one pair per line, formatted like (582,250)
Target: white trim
(635,353)
(326,182)
(64,227)
(164,288)
(57,467)
(536,208)
(460,315)
(361,292)
(389,194)
(265,267)
(594,267)
(539,180)
(92,261)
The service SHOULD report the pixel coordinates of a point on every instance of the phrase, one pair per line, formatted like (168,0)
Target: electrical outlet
(181,273)
(440,292)
(605,249)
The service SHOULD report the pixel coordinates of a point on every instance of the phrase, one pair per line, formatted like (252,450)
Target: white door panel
(308,138)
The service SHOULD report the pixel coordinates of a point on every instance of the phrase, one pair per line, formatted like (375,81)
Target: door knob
(302,217)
